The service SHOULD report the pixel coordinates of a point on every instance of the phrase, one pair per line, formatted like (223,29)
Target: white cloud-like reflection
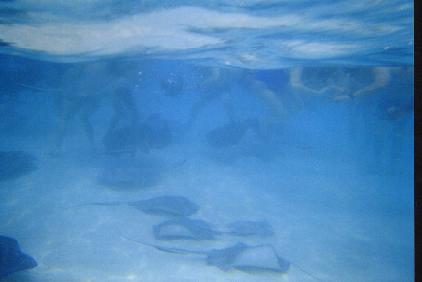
(301,33)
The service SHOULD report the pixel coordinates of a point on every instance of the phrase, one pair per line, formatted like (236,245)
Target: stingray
(184,229)
(4,44)
(14,164)
(251,259)
(250,228)
(196,229)
(231,134)
(12,259)
(174,206)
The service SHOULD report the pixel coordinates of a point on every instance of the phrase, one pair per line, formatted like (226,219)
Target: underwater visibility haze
(219,140)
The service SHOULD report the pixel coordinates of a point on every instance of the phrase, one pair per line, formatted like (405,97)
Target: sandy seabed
(322,220)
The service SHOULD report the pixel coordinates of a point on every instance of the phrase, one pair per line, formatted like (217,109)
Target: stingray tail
(307,272)
(113,203)
(31,87)
(167,249)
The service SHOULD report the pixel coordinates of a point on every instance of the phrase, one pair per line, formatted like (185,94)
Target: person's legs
(124,106)
(121,136)
(273,99)
(129,104)
(88,107)
(228,107)
(67,108)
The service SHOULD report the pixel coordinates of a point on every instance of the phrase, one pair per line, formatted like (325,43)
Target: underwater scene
(244,140)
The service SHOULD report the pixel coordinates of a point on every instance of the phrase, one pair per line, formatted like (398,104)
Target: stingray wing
(225,258)
(262,258)
(11,257)
(167,206)
(184,229)
(14,164)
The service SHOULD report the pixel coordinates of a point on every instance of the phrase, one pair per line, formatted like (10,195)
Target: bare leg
(124,105)
(228,107)
(124,109)
(67,109)
(88,109)
(274,101)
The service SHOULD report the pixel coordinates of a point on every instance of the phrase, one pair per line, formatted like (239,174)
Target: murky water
(296,114)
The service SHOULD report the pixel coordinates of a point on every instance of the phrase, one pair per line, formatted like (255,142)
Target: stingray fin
(167,249)
(313,276)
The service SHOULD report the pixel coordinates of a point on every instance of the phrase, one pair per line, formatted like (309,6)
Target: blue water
(297,113)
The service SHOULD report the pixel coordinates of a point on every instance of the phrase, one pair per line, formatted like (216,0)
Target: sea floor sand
(327,220)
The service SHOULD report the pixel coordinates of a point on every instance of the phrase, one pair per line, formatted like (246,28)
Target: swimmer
(381,75)
(80,96)
(332,82)
(296,82)
(216,86)
(173,85)
(125,111)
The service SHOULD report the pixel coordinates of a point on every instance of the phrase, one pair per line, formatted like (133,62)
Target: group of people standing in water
(84,86)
